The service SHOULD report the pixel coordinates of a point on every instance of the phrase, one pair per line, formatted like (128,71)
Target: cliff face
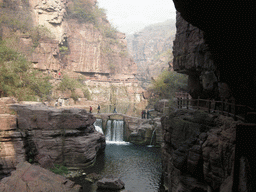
(213,45)
(41,134)
(61,37)
(198,151)
(193,57)
(84,43)
(223,57)
(151,49)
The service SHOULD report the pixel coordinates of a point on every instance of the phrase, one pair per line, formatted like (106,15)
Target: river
(139,167)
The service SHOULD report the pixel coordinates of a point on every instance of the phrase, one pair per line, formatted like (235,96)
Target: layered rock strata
(92,51)
(193,57)
(198,151)
(87,50)
(66,136)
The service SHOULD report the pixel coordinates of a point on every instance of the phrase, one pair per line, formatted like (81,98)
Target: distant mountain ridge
(151,49)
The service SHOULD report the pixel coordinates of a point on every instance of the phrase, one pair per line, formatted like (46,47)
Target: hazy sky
(130,16)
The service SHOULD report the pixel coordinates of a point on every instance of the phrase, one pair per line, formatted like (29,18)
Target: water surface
(139,167)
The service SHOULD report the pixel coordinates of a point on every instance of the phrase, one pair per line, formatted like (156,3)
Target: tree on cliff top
(167,83)
(19,79)
(85,11)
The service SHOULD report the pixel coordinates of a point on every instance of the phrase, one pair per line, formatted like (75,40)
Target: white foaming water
(118,142)
(115,131)
(99,129)
(98,125)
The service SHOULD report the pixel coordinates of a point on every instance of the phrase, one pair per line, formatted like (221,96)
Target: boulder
(110,183)
(29,177)
(47,135)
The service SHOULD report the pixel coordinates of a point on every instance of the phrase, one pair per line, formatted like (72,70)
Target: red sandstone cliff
(55,38)
(87,49)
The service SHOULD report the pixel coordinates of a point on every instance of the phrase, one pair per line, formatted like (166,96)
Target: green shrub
(19,79)
(63,49)
(123,53)
(167,84)
(68,84)
(16,19)
(85,11)
(112,67)
(87,93)
(110,32)
(59,169)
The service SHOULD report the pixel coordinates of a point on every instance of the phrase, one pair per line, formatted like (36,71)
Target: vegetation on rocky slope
(67,84)
(167,83)
(19,79)
(20,35)
(17,76)
(85,11)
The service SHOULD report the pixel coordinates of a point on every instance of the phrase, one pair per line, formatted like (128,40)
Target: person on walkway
(148,114)
(98,108)
(90,109)
(114,109)
(143,113)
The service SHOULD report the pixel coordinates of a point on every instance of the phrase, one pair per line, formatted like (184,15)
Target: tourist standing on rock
(148,114)
(98,108)
(143,114)
(90,109)
(115,109)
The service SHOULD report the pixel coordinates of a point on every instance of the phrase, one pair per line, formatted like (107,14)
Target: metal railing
(237,111)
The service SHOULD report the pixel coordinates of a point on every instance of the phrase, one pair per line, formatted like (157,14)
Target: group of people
(144,113)
(98,108)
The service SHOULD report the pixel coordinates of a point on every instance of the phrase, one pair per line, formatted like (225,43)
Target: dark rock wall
(222,47)
(193,57)
(198,151)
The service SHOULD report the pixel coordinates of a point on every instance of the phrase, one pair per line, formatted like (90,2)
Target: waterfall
(98,125)
(115,132)
(153,133)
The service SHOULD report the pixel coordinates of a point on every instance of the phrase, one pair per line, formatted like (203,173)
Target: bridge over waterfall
(123,128)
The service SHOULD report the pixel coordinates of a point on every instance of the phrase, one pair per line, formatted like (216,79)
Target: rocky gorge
(199,150)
